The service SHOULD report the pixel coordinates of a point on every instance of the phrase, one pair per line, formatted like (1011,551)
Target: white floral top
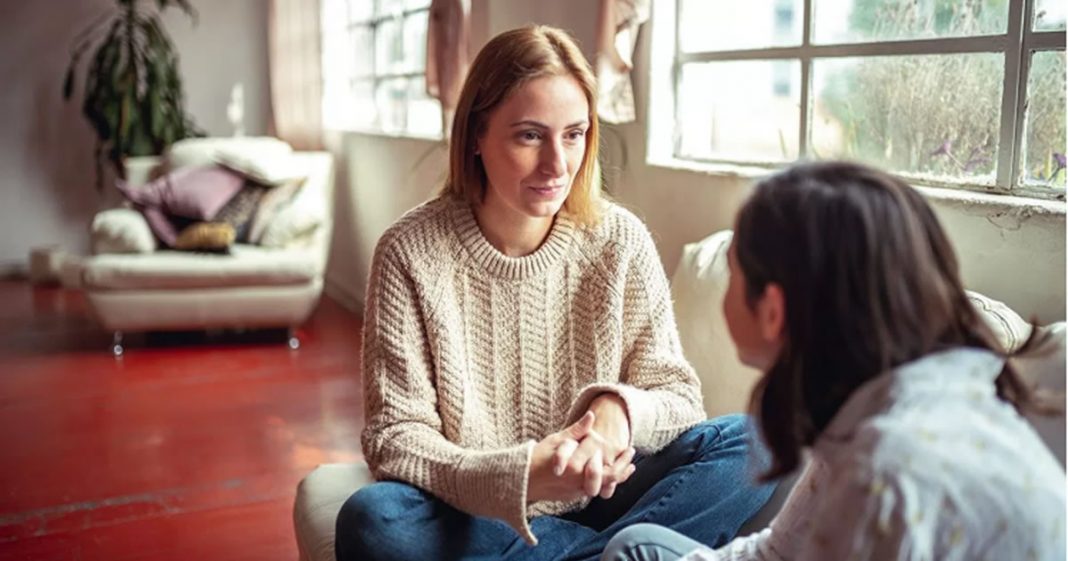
(922,463)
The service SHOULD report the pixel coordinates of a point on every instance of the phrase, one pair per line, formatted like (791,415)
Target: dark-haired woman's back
(845,292)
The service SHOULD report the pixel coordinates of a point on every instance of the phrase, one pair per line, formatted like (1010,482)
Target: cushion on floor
(319,498)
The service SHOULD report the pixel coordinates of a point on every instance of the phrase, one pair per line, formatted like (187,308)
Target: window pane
(849,21)
(361,10)
(390,7)
(334,14)
(363,51)
(415,41)
(424,112)
(389,48)
(1044,137)
(362,102)
(931,115)
(745,111)
(716,25)
(391,100)
(338,61)
(1049,15)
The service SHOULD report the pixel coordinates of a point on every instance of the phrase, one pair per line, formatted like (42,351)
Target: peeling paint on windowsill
(1004,211)
(1007,212)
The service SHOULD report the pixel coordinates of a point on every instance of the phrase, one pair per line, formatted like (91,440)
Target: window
(374,64)
(952,93)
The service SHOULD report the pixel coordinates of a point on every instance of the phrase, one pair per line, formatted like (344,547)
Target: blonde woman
(525,388)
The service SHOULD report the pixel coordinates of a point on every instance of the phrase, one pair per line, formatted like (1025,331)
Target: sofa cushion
(1043,364)
(264,167)
(198,152)
(697,288)
(206,236)
(274,200)
(244,266)
(195,194)
(121,230)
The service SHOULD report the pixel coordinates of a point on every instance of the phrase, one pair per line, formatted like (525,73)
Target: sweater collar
(500,265)
(955,373)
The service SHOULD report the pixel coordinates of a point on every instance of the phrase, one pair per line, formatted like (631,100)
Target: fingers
(594,474)
(617,473)
(623,461)
(562,455)
(581,427)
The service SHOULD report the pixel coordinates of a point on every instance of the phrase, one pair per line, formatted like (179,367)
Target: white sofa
(697,288)
(132,286)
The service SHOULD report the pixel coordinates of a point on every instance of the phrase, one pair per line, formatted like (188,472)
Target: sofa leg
(116,344)
(293,341)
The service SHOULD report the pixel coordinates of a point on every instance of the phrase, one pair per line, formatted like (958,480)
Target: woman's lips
(547,191)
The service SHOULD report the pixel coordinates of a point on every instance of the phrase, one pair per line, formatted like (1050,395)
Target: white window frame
(375,77)
(1017,44)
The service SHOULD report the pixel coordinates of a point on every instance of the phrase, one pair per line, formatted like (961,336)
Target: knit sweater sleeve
(659,388)
(403,438)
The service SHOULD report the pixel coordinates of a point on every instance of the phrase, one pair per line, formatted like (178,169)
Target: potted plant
(133,92)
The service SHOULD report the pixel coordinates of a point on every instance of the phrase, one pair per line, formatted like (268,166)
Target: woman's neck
(511,234)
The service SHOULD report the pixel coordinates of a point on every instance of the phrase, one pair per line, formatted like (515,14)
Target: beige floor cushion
(319,499)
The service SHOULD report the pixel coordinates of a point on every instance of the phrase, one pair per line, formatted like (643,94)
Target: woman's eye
(530,136)
(576,134)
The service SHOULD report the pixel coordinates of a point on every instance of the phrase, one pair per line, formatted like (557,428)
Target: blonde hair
(506,63)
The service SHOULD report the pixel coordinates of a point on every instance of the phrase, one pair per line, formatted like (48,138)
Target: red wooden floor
(186,448)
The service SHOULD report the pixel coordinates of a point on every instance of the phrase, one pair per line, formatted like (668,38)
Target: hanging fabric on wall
(296,73)
(447,38)
(617,33)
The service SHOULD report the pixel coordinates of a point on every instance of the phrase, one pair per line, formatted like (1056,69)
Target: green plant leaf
(133,95)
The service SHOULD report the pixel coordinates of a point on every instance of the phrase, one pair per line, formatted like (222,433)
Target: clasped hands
(587,459)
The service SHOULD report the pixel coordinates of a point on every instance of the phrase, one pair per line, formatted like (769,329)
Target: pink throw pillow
(191,193)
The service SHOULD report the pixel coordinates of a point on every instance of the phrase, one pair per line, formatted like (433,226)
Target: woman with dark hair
(525,390)
(845,292)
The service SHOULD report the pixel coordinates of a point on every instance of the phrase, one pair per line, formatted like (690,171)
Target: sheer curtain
(296,72)
(617,32)
(448,39)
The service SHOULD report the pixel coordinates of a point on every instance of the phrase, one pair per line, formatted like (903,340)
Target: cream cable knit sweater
(471,356)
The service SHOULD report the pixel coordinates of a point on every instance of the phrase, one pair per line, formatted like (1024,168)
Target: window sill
(961,198)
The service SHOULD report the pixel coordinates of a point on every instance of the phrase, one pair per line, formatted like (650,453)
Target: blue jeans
(701,485)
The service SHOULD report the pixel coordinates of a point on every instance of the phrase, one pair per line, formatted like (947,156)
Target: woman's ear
(771,314)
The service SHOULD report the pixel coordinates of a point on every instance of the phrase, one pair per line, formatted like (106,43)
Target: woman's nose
(553,159)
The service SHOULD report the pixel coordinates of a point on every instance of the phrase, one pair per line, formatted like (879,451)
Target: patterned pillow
(274,201)
(238,211)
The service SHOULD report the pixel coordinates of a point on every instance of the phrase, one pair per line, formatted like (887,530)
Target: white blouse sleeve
(862,516)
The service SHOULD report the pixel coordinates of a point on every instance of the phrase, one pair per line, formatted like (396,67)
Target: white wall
(46,146)
(1020,260)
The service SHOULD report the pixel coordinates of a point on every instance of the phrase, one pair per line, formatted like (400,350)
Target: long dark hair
(870,282)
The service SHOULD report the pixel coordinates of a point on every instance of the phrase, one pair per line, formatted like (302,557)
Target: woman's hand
(604,451)
(549,477)
(589,458)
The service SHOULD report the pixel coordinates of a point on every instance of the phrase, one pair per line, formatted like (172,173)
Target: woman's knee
(724,431)
(647,541)
(365,521)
